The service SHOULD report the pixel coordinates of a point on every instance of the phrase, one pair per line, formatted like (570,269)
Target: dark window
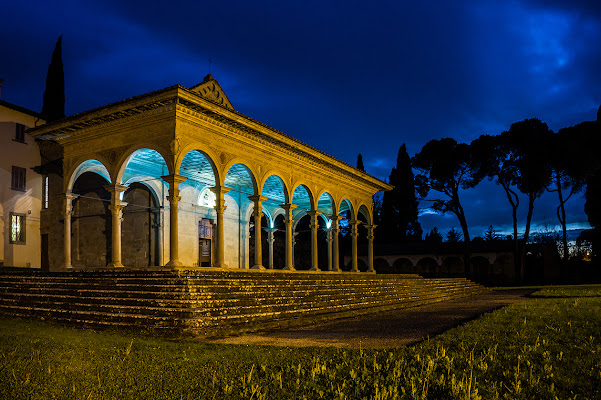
(18,178)
(17,228)
(20,133)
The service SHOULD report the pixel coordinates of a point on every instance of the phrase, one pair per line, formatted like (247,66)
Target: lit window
(45,193)
(20,133)
(18,178)
(17,228)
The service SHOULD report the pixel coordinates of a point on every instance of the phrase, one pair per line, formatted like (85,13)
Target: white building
(21,189)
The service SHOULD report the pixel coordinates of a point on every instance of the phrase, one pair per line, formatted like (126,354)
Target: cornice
(227,119)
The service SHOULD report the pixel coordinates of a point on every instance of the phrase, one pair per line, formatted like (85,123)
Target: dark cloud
(346,77)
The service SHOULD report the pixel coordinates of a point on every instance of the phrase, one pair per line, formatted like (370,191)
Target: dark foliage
(398,217)
(53,107)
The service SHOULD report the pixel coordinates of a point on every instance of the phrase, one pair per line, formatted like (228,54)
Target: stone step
(228,306)
(214,301)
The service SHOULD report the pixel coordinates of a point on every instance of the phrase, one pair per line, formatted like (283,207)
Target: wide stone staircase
(211,302)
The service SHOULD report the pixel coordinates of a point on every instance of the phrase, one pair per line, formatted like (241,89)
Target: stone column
(173,181)
(370,248)
(220,207)
(289,220)
(335,229)
(329,239)
(257,214)
(354,263)
(67,212)
(313,214)
(270,241)
(116,208)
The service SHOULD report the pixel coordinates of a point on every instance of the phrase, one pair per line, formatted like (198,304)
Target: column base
(174,263)
(257,267)
(288,269)
(314,269)
(67,267)
(114,265)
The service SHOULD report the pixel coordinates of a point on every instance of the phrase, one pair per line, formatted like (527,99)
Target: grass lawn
(542,349)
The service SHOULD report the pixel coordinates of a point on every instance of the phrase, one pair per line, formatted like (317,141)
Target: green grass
(546,348)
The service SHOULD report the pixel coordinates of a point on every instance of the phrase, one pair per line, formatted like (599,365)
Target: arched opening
(427,267)
(301,227)
(345,210)
(275,193)
(382,267)
(452,267)
(403,266)
(140,231)
(238,221)
(480,267)
(142,240)
(91,222)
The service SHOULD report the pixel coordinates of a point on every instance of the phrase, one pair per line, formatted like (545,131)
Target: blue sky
(346,77)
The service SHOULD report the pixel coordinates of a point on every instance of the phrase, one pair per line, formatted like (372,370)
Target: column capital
(219,190)
(117,208)
(173,178)
(69,196)
(314,213)
(288,207)
(257,198)
(116,188)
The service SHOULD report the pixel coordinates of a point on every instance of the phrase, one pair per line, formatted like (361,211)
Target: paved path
(397,328)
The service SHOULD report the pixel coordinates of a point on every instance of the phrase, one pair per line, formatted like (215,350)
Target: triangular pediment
(210,89)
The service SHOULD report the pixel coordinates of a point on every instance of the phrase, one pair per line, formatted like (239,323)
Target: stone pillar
(173,181)
(67,212)
(354,263)
(288,220)
(335,229)
(258,213)
(313,214)
(116,208)
(329,239)
(220,207)
(270,241)
(370,248)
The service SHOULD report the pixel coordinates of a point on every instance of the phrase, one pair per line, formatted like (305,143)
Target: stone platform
(212,302)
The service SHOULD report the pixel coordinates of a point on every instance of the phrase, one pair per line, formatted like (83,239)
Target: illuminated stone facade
(175,178)
(21,189)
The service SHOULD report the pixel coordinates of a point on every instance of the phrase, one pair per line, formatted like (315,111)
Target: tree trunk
(531,198)
(561,216)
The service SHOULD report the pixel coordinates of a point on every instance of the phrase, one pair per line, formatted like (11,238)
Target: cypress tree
(360,166)
(53,107)
(398,221)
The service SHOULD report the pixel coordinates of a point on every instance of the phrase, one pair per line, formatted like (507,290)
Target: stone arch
(131,153)
(452,266)
(303,197)
(326,204)
(91,221)
(403,265)
(141,227)
(234,177)
(480,269)
(347,205)
(194,165)
(269,185)
(503,269)
(381,266)
(366,212)
(206,152)
(90,165)
(427,266)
